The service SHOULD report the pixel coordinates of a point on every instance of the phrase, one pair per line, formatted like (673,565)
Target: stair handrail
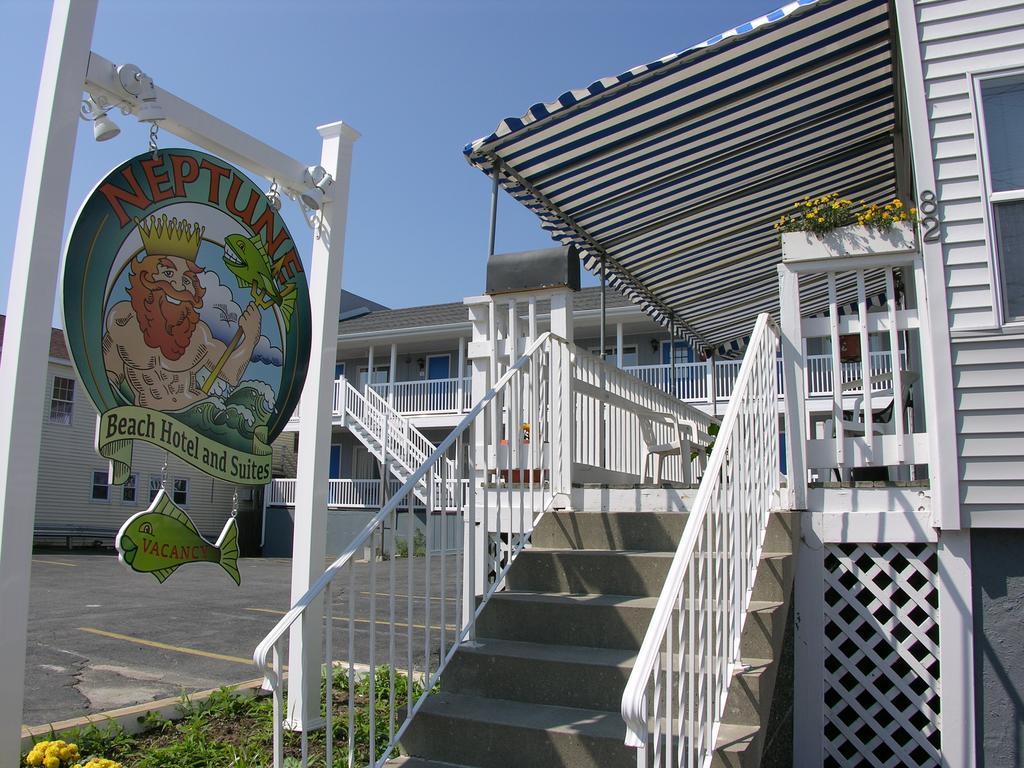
(416,438)
(267,655)
(732,512)
(420,445)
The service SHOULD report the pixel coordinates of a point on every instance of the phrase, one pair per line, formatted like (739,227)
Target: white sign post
(26,344)
(309,547)
(69,67)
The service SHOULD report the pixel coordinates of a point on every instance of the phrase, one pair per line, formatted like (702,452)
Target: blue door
(438,367)
(683,355)
(335,470)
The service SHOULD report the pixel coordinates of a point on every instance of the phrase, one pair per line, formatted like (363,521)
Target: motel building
(797,541)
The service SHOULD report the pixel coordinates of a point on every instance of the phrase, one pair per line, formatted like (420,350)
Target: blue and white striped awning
(674,172)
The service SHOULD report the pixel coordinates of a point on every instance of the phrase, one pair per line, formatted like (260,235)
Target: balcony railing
(690,382)
(349,494)
(427,395)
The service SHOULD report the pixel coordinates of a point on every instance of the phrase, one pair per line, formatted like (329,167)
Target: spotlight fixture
(654,345)
(139,84)
(320,181)
(103,128)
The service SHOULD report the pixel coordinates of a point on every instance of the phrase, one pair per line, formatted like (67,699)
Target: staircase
(387,434)
(542,684)
(610,638)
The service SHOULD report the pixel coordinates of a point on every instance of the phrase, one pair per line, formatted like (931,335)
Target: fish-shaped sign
(162,538)
(247,259)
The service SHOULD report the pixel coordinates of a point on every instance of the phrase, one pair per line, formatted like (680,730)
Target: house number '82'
(928,207)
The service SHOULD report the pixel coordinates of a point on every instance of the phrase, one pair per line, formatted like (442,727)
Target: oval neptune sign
(187,314)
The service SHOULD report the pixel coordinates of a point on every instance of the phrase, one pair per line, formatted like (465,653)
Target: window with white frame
(62,398)
(100,488)
(155,484)
(180,492)
(129,491)
(1002,114)
(630,357)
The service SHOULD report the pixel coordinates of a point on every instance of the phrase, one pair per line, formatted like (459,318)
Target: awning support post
(604,411)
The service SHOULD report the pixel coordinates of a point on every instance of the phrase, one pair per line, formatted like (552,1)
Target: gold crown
(170,238)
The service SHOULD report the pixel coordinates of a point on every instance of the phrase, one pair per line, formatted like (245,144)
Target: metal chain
(234,503)
(154,130)
(163,474)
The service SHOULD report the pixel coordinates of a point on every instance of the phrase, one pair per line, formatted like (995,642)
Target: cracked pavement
(102,637)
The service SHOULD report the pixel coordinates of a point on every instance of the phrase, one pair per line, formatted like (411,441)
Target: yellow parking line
(167,646)
(358,621)
(55,562)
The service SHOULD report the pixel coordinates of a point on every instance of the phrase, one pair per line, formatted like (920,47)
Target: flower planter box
(524,473)
(849,241)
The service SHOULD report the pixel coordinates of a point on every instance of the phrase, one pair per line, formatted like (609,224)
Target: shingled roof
(454,313)
(58,348)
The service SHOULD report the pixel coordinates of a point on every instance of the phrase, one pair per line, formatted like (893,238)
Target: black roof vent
(533,270)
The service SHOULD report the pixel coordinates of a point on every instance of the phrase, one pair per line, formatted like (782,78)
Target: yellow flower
(51,761)
(821,220)
(898,203)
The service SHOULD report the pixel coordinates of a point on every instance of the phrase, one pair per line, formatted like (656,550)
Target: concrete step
(582,572)
(774,576)
(647,531)
(607,621)
(783,533)
(419,762)
(598,621)
(763,629)
(497,733)
(563,675)
(745,703)
(738,746)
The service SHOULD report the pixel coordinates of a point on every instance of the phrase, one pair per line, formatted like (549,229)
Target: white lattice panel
(881,675)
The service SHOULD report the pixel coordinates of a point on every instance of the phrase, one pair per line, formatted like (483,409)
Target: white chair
(882,421)
(680,444)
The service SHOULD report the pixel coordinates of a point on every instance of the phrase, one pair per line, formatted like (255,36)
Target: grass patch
(229,730)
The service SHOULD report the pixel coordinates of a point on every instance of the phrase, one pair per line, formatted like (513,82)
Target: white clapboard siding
(960,37)
(68,458)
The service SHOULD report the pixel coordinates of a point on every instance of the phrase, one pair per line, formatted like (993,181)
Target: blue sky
(418,78)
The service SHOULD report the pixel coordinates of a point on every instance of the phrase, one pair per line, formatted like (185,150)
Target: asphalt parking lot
(102,637)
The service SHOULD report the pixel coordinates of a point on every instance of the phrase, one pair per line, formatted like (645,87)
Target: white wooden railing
(608,404)
(427,395)
(495,495)
(872,435)
(675,697)
(689,382)
(419,592)
(346,493)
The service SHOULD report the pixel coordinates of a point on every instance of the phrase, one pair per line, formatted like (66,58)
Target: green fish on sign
(248,261)
(162,538)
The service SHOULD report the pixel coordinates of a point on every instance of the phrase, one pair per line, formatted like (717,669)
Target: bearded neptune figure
(155,345)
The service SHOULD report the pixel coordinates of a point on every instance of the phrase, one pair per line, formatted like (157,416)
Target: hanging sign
(162,538)
(187,314)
